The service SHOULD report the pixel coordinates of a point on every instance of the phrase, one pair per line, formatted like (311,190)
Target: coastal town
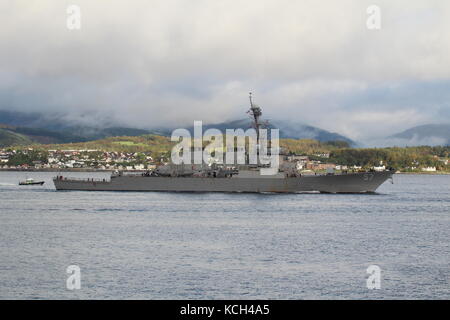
(99,160)
(76,160)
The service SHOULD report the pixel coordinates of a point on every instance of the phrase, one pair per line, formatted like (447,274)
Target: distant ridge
(10,135)
(429,134)
(288,130)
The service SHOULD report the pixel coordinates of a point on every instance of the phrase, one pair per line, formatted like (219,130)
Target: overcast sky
(154,63)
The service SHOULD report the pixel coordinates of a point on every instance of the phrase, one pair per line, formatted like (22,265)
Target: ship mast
(255,113)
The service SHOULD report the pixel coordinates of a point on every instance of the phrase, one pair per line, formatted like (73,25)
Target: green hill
(154,144)
(10,138)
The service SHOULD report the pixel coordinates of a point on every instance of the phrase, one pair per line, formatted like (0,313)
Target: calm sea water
(225,246)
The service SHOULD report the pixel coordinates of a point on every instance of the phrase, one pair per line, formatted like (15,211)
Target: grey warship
(239,178)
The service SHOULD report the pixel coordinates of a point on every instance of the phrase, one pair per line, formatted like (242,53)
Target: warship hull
(361,182)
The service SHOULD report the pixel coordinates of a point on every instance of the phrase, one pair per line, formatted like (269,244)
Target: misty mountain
(27,128)
(10,135)
(292,130)
(430,134)
(288,130)
(13,118)
(39,128)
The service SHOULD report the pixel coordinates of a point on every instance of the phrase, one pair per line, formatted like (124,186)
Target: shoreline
(109,170)
(443,173)
(66,170)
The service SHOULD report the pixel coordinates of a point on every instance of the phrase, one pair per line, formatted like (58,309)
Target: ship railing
(81,179)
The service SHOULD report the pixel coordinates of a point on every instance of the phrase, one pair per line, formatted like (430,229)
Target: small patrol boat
(31,182)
